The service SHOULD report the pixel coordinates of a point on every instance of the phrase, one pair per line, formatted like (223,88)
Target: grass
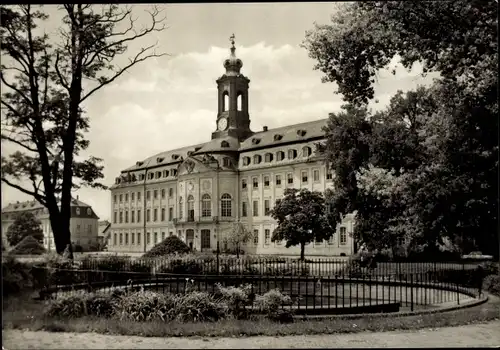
(26,314)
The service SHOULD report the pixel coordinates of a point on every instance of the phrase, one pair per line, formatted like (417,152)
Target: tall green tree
(24,225)
(45,81)
(432,154)
(301,216)
(237,236)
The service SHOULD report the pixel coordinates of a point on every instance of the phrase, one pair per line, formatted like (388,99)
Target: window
(226,205)
(155,194)
(255,237)
(343,236)
(246,160)
(121,238)
(180,207)
(132,238)
(257,159)
(268,157)
(132,196)
(158,174)
(306,151)
(162,214)
(292,154)
(121,217)
(206,206)
(126,197)
(114,198)
(316,175)
(170,213)
(148,238)
(289,178)
(255,208)
(148,215)
(132,216)
(151,176)
(163,193)
(266,207)
(165,173)
(278,180)
(243,184)
(156,237)
(244,209)
(78,227)
(138,215)
(77,211)
(174,172)
(126,216)
(330,240)
(163,236)
(190,208)
(138,238)
(329,175)
(226,162)
(255,182)
(141,177)
(114,238)
(138,196)
(115,214)
(266,181)
(267,236)
(205,239)
(280,155)
(304,176)
(148,195)
(155,214)
(121,198)
(126,238)
(170,192)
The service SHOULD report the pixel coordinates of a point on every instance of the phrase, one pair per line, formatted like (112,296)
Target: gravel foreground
(478,335)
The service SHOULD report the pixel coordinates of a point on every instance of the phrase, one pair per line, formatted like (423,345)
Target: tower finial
(231,38)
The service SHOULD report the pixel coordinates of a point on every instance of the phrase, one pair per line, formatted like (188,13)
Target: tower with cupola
(232,88)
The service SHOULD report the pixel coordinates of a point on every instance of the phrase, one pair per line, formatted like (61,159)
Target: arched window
(306,151)
(280,155)
(206,206)
(246,160)
(180,207)
(224,144)
(225,101)
(190,208)
(238,101)
(268,157)
(257,159)
(292,154)
(225,205)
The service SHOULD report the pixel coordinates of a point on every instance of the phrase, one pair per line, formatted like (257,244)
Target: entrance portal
(190,238)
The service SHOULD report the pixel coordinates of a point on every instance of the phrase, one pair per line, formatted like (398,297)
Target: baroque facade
(83,222)
(198,192)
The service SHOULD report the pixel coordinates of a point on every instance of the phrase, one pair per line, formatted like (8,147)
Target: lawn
(27,314)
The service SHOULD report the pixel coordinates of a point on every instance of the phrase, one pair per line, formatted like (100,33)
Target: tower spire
(232,64)
(233,49)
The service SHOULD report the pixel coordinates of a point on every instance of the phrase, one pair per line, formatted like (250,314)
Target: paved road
(479,335)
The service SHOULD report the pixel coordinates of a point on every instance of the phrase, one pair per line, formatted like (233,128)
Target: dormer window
(175,156)
(280,155)
(224,144)
(139,163)
(117,181)
(159,159)
(278,137)
(257,159)
(246,160)
(77,211)
(292,154)
(268,157)
(189,153)
(255,141)
(89,211)
(301,133)
(306,151)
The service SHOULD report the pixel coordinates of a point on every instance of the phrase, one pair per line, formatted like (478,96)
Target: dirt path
(480,335)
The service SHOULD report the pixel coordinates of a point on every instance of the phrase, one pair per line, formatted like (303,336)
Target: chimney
(264,128)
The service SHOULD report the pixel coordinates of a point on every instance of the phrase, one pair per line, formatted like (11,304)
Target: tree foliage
(25,225)
(170,245)
(28,246)
(45,81)
(301,217)
(237,236)
(426,167)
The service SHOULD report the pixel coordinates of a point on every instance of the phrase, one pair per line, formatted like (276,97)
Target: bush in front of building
(169,246)
(16,276)
(28,246)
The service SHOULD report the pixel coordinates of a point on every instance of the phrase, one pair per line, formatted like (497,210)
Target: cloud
(172,102)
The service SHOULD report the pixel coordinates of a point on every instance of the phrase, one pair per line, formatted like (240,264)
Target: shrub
(28,246)
(170,245)
(272,305)
(146,306)
(187,265)
(106,263)
(199,307)
(237,298)
(492,284)
(16,276)
(80,304)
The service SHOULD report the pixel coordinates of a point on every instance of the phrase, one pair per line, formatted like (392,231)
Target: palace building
(198,192)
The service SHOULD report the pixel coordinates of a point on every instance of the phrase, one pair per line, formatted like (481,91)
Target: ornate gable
(192,165)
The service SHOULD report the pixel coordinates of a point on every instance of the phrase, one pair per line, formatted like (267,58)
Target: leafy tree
(28,246)
(237,236)
(301,217)
(427,166)
(25,225)
(45,81)
(170,245)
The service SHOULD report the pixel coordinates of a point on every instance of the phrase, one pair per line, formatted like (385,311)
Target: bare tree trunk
(302,251)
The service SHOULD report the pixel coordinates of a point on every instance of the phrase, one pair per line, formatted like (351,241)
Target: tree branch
(36,195)
(17,142)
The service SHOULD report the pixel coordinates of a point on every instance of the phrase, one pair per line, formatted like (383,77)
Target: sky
(171,101)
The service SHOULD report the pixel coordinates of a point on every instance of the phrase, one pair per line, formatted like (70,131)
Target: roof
(301,132)
(33,205)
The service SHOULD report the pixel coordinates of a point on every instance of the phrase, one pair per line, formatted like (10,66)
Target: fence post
(411,292)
